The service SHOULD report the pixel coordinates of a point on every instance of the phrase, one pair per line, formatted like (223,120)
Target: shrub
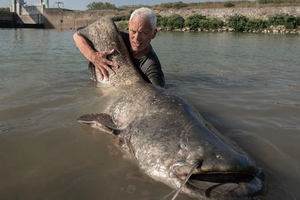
(122,25)
(269,1)
(162,21)
(4,9)
(193,21)
(237,22)
(228,5)
(215,23)
(289,21)
(175,21)
(256,24)
(199,21)
(298,21)
(120,18)
(176,5)
(101,6)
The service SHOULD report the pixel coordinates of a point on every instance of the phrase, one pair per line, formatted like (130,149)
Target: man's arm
(156,75)
(99,59)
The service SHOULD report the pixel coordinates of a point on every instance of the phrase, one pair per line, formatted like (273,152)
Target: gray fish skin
(104,36)
(165,135)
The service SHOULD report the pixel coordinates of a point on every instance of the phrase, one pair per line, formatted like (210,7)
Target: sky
(81,4)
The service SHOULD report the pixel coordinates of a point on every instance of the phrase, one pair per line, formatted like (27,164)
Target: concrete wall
(32,10)
(30,19)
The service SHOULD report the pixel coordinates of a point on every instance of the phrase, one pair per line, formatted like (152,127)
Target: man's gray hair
(146,13)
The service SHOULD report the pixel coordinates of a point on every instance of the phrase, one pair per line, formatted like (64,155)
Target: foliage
(228,4)
(121,18)
(241,23)
(4,10)
(162,21)
(298,20)
(193,21)
(101,6)
(197,21)
(176,5)
(237,22)
(255,24)
(133,6)
(289,21)
(269,1)
(175,21)
(122,25)
(215,23)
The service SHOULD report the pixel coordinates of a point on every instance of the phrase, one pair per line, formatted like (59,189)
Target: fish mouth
(233,185)
(217,177)
(229,185)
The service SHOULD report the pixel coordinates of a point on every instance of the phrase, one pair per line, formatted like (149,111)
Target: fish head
(212,166)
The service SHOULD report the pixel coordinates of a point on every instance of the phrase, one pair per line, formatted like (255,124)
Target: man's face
(140,34)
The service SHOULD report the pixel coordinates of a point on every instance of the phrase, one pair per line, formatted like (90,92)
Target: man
(142,29)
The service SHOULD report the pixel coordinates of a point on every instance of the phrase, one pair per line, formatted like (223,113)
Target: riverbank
(66,19)
(63,19)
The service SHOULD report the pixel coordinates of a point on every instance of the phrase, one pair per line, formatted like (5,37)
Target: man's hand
(99,59)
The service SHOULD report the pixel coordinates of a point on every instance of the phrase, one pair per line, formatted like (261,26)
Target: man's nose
(137,36)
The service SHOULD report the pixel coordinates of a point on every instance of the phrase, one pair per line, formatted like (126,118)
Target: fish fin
(100,121)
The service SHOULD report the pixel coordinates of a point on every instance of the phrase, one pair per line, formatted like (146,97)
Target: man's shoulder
(125,37)
(150,62)
(152,57)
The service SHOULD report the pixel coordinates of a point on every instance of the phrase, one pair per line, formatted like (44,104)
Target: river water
(246,85)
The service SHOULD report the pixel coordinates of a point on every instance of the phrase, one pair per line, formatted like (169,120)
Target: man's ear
(154,33)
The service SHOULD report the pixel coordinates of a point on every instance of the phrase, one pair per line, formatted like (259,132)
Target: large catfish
(167,137)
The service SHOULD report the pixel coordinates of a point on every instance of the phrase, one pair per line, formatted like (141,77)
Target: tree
(101,6)
(4,9)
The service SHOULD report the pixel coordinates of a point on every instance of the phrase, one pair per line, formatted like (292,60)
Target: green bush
(175,21)
(289,21)
(176,5)
(228,5)
(4,9)
(269,1)
(197,21)
(256,24)
(120,18)
(298,21)
(101,6)
(122,25)
(193,21)
(162,21)
(215,23)
(237,22)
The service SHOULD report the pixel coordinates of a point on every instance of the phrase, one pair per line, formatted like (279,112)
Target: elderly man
(142,29)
